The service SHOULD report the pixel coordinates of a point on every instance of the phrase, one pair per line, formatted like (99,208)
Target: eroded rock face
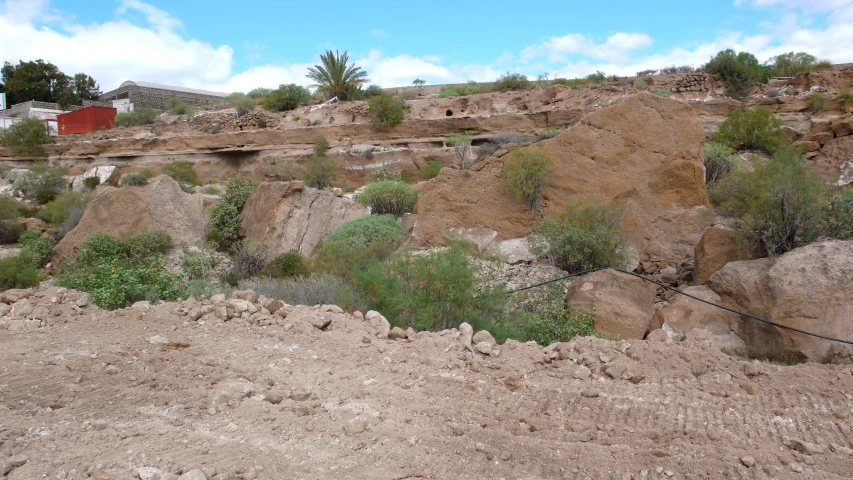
(160,205)
(623,304)
(685,313)
(717,247)
(807,288)
(290,216)
(642,153)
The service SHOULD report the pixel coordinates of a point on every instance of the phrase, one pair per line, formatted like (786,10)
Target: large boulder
(160,205)
(835,161)
(102,173)
(291,216)
(623,304)
(642,153)
(808,288)
(685,314)
(717,247)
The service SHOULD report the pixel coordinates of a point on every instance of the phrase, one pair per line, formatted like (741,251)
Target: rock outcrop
(160,205)
(290,216)
(642,153)
(807,288)
(684,314)
(102,173)
(623,304)
(717,247)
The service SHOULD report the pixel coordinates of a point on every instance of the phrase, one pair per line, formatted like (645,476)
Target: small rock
(467,332)
(747,387)
(15,294)
(158,340)
(590,393)
(193,475)
(151,473)
(484,347)
(747,461)
(275,305)
(484,336)
(751,370)
(83,300)
(274,398)
(657,336)
(331,309)
(247,295)
(300,394)
(840,449)
(505,456)
(581,373)
(397,333)
(383,327)
(410,333)
(805,447)
(321,323)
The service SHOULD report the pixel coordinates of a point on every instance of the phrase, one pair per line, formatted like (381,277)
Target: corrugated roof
(173,88)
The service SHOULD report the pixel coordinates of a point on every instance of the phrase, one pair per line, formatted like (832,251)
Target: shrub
(146,115)
(183,173)
(211,190)
(461,143)
(91,182)
(179,107)
(791,64)
(250,258)
(18,272)
(506,136)
(321,144)
(740,71)
(431,169)
(258,93)
(838,214)
(823,65)
(386,110)
(318,289)
(26,138)
(550,321)
(719,159)
(817,101)
(663,93)
(448,92)
(777,206)
(9,208)
(288,264)
(10,231)
(547,133)
(36,247)
(586,237)
(134,180)
(64,206)
(640,84)
(358,242)
(126,119)
(41,177)
(432,291)
(372,91)
(117,272)
(198,264)
(201,289)
(758,129)
(319,172)
(287,97)
(512,81)
(525,174)
(388,197)
(383,173)
(46,195)
(597,77)
(243,106)
(225,219)
(845,96)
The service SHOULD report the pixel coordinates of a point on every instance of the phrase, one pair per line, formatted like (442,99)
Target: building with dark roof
(147,94)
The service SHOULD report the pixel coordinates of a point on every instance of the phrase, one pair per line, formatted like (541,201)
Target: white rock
(194,475)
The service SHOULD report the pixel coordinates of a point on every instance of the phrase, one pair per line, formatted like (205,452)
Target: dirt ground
(86,393)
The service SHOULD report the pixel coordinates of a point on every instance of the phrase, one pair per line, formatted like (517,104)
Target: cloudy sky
(236,46)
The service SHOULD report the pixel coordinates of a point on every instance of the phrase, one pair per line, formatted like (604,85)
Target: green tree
(34,80)
(740,71)
(334,78)
(25,138)
(525,174)
(81,87)
(791,64)
(758,129)
(386,110)
(418,82)
(461,143)
(286,97)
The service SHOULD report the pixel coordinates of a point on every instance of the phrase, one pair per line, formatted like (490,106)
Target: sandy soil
(91,394)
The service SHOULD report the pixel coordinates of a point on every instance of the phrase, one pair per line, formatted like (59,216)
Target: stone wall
(680,82)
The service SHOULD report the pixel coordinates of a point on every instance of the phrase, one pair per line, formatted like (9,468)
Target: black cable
(770,322)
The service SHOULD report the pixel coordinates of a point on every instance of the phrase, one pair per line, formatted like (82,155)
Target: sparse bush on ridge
(358,242)
(64,206)
(817,101)
(25,138)
(388,197)
(549,321)
(461,143)
(224,224)
(758,130)
(525,174)
(319,171)
(740,71)
(386,110)
(286,97)
(431,169)
(511,82)
(183,173)
(385,172)
(719,159)
(179,107)
(289,264)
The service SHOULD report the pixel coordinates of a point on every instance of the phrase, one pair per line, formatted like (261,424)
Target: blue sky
(234,46)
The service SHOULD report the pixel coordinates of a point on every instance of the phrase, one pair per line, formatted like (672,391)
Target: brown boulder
(623,304)
(717,247)
(807,288)
(807,146)
(642,152)
(820,138)
(160,205)
(290,216)
(835,160)
(843,126)
(685,313)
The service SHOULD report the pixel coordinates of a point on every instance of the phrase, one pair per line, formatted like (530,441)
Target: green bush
(46,195)
(431,169)
(179,107)
(586,237)
(740,71)
(461,143)
(126,119)
(525,174)
(511,82)
(211,190)
(383,173)
(386,110)
(319,172)
(63,207)
(117,272)
(36,247)
(640,84)
(663,93)
(250,259)
(10,231)
(547,133)
(321,144)
(198,264)
(91,182)
(18,272)
(25,138)
(388,197)
(318,289)
(358,242)
(183,173)
(757,130)
(243,106)
(372,91)
(134,180)
(9,208)
(448,92)
(719,159)
(225,219)
(287,97)
(42,177)
(433,291)
(146,115)
(792,64)
(845,96)
(777,206)
(817,101)
(288,264)
(838,214)
(550,321)
(258,93)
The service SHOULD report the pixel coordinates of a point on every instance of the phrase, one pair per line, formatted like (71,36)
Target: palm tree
(334,77)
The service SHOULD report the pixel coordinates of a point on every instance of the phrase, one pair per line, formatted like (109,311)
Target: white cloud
(378,32)
(402,69)
(616,46)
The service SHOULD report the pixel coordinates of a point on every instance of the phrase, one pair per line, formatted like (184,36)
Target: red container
(86,120)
